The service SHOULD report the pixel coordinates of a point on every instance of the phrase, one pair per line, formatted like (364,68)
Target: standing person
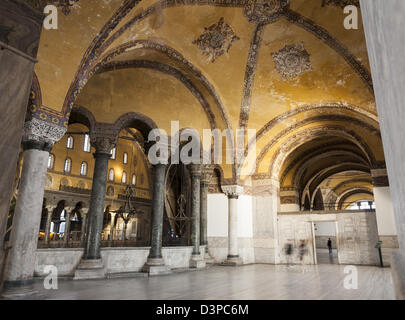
(330,246)
(288,251)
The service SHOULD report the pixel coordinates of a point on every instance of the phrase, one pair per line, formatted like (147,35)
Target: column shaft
(157,211)
(195,210)
(203,215)
(233,227)
(48,225)
(27,219)
(96,210)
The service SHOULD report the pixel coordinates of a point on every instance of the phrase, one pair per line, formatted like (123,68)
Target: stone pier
(38,140)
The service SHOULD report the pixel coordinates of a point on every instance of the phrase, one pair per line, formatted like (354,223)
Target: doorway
(326,231)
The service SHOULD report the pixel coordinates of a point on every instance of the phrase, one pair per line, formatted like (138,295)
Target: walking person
(302,251)
(330,246)
(288,251)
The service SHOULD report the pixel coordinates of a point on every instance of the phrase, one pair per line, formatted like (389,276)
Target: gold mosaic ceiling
(286,68)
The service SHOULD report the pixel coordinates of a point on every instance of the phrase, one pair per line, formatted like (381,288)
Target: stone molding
(380,177)
(38,131)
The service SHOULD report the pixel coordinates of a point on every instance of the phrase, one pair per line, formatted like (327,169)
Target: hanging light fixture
(127,211)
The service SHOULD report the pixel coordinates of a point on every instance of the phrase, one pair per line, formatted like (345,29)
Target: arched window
(125,160)
(69,142)
(124,177)
(134,179)
(68,165)
(113,153)
(83,169)
(51,161)
(111,175)
(86,144)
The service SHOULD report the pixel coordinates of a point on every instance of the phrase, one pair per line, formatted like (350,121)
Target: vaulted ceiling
(286,68)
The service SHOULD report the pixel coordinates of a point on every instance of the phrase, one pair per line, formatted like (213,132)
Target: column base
(398,273)
(197,262)
(90,269)
(18,289)
(208,259)
(155,266)
(232,261)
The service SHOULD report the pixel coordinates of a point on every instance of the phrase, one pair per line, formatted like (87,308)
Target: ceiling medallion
(65,5)
(264,11)
(292,60)
(216,39)
(341,3)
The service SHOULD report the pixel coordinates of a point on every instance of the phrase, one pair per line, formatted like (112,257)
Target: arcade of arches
(85,197)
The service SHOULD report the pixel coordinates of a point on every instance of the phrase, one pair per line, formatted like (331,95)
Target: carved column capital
(232,191)
(207,171)
(103,138)
(195,170)
(103,144)
(41,135)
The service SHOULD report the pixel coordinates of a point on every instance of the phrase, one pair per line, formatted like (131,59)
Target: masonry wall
(218,227)
(356,237)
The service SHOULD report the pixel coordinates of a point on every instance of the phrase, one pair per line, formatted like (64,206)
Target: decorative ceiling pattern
(341,3)
(265,11)
(66,5)
(292,60)
(262,83)
(216,39)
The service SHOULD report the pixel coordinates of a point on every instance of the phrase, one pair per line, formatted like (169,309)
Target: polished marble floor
(324,257)
(226,283)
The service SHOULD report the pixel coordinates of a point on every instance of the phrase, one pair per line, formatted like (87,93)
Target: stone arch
(310,134)
(332,105)
(134,120)
(82,115)
(341,198)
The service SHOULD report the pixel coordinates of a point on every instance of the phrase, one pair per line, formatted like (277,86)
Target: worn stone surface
(265,231)
(15,82)
(356,238)
(383,24)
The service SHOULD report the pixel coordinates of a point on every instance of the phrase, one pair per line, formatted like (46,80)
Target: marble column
(112,226)
(83,233)
(155,263)
(196,260)
(233,192)
(66,233)
(37,142)
(91,265)
(206,174)
(21,28)
(48,224)
(383,26)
